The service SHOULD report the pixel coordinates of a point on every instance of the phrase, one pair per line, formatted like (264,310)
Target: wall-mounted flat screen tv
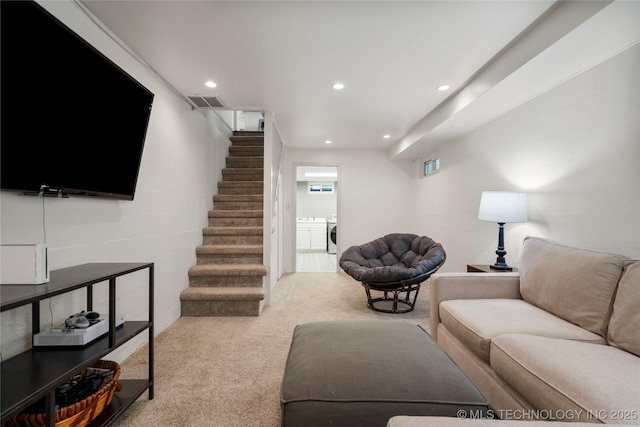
(71,120)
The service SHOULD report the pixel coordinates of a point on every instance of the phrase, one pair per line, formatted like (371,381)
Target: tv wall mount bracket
(46,191)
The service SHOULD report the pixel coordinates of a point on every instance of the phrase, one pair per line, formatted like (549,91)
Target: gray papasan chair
(394,264)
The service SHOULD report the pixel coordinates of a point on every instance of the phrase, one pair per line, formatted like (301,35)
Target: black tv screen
(71,119)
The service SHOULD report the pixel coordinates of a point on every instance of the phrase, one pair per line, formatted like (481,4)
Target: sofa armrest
(449,286)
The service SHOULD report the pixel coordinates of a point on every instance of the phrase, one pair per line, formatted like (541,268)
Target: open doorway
(316,218)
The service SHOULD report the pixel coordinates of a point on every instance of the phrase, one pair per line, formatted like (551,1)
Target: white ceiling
(283,56)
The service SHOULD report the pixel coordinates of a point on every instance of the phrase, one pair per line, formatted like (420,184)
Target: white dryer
(332,235)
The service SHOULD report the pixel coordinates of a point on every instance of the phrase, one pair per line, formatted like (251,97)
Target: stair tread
(228,270)
(236,213)
(240,152)
(238,197)
(247,138)
(245,142)
(222,293)
(240,184)
(229,249)
(233,231)
(246,147)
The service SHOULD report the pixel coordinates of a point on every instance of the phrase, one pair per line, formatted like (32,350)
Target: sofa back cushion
(576,285)
(624,328)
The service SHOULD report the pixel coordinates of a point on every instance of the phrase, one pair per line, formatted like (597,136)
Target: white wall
(183,156)
(374,196)
(317,205)
(574,150)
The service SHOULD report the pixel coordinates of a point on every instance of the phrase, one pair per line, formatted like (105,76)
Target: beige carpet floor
(226,371)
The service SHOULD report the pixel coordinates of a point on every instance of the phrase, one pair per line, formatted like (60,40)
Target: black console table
(35,373)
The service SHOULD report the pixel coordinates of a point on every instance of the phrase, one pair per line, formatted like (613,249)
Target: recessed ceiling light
(210,84)
(387,136)
(338,86)
(328,141)
(443,87)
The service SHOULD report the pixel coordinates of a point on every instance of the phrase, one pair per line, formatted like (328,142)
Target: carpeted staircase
(227,279)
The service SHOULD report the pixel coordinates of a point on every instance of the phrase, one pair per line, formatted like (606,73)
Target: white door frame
(294,203)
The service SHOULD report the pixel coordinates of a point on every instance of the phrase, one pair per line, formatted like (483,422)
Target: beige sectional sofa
(559,340)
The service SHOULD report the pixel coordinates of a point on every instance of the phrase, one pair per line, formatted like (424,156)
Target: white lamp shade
(503,206)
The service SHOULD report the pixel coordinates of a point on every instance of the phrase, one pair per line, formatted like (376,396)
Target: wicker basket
(81,413)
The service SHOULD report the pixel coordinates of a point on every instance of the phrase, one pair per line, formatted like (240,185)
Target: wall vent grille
(207,101)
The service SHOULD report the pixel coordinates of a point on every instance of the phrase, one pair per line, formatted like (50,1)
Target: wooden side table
(486,268)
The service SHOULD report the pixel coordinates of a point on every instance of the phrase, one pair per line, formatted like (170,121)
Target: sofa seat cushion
(624,328)
(476,322)
(564,375)
(575,284)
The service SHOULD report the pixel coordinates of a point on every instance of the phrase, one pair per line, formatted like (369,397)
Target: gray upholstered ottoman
(361,373)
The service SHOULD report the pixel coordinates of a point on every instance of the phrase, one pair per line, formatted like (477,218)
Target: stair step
(232,236)
(232,231)
(240,184)
(222,301)
(228,275)
(248,188)
(242,202)
(231,240)
(254,213)
(222,294)
(238,205)
(235,218)
(246,150)
(238,198)
(248,133)
(228,249)
(229,254)
(247,159)
(235,222)
(239,191)
(253,140)
(243,174)
(228,270)
(245,162)
(240,187)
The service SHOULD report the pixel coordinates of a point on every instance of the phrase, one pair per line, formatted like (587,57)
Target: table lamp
(502,207)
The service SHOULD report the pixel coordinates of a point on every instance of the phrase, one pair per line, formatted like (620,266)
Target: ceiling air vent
(207,101)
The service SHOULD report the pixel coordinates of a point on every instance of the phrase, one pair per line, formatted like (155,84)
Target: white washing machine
(332,235)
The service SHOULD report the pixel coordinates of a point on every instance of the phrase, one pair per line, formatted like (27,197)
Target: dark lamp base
(502,267)
(501,263)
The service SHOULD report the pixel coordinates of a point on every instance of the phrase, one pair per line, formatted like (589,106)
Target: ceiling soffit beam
(561,18)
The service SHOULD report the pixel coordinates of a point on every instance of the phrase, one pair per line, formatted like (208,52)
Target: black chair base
(393,295)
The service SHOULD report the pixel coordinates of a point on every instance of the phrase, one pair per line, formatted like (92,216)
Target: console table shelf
(36,373)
